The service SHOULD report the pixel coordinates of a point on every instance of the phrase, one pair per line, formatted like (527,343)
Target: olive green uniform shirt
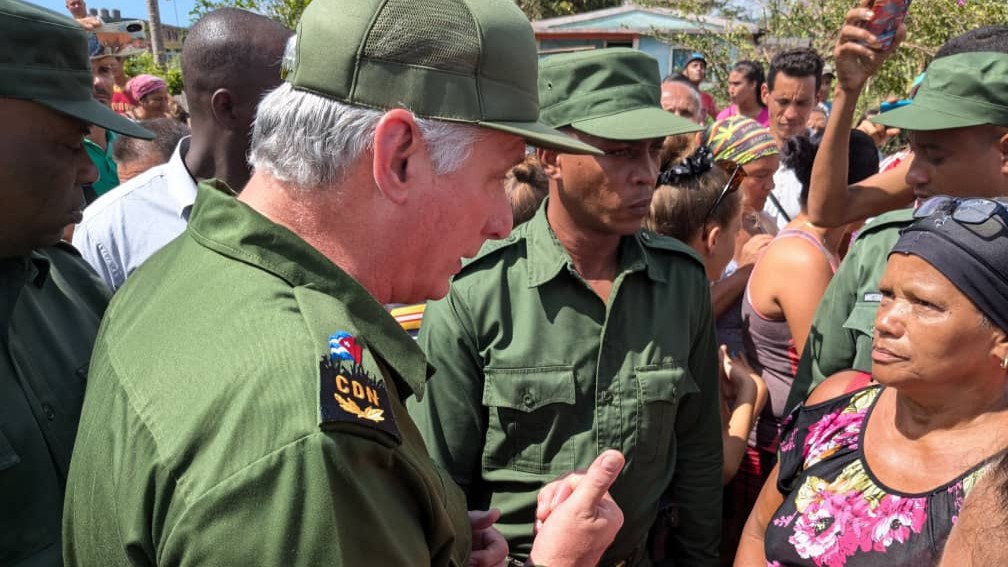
(536,375)
(841,334)
(220,428)
(50,305)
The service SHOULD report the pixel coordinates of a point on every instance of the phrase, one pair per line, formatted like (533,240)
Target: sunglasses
(966,211)
(735,177)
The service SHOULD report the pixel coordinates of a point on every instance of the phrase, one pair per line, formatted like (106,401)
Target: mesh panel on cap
(433,33)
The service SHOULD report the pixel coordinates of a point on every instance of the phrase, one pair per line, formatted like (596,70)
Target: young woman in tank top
(778,306)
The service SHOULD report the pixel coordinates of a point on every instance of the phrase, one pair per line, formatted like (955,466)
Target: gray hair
(308,140)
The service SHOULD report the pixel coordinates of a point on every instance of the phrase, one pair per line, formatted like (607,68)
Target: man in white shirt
(230,59)
(790,93)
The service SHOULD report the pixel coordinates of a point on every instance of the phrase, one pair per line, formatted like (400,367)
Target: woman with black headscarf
(876,475)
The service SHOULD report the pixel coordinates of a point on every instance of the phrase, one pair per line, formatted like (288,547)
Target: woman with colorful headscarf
(875,474)
(741,140)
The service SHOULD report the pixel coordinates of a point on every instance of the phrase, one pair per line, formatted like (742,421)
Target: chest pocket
(530,417)
(660,388)
(862,322)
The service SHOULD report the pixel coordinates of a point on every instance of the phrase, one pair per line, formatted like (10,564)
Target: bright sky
(132,8)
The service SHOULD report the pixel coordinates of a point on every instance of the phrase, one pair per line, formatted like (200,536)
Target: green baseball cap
(44,58)
(610,93)
(468,61)
(967,89)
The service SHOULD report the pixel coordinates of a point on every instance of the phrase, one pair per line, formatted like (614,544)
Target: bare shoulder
(835,386)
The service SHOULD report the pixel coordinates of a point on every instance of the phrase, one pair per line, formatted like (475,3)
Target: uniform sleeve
(830,347)
(451,416)
(368,508)
(697,486)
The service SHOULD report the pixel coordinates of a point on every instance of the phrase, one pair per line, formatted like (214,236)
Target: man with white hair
(245,404)
(681,97)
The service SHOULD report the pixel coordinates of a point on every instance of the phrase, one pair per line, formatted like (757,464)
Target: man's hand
(582,519)
(489,548)
(90,23)
(879,134)
(858,54)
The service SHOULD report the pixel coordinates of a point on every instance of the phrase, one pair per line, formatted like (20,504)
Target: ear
(223,106)
(400,155)
(1003,146)
(714,235)
(550,160)
(765,94)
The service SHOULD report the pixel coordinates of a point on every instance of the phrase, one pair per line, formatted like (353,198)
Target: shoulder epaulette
(897,218)
(661,242)
(491,248)
(65,246)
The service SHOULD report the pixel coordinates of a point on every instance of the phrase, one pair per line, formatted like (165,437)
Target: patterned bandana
(739,139)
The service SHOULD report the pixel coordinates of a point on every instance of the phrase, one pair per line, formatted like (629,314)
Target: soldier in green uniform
(245,405)
(958,129)
(50,300)
(581,331)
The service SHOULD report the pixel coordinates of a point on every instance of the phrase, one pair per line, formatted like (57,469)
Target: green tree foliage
(542,9)
(815,23)
(144,63)
(287,12)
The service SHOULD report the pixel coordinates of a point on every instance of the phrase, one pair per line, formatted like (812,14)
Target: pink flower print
(788,444)
(895,519)
(958,495)
(784,521)
(830,529)
(834,431)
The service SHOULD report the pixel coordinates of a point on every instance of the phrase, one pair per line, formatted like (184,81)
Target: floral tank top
(836,513)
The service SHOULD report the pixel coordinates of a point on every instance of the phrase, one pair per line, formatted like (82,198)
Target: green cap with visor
(609,93)
(468,61)
(44,59)
(966,89)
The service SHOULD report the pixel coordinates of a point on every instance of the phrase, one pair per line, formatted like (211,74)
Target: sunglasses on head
(973,210)
(735,176)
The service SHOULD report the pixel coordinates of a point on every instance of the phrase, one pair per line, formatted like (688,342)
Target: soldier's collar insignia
(348,393)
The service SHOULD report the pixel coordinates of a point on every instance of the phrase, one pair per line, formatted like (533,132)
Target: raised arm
(832,202)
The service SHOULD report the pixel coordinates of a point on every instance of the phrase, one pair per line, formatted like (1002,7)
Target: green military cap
(967,89)
(610,93)
(469,61)
(44,58)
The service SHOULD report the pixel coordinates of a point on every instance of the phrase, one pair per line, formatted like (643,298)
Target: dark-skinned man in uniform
(50,300)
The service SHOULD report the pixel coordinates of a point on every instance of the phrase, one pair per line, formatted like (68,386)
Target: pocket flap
(862,317)
(528,389)
(8,457)
(664,382)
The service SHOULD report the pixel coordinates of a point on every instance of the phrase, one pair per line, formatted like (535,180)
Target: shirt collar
(233,229)
(32,269)
(181,186)
(547,256)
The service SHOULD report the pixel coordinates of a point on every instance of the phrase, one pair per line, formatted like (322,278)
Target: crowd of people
(416,295)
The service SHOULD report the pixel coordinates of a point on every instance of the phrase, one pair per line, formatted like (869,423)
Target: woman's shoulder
(840,385)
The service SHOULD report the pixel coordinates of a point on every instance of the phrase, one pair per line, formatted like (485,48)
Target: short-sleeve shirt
(50,306)
(108,172)
(245,408)
(536,375)
(136,219)
(836,513)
